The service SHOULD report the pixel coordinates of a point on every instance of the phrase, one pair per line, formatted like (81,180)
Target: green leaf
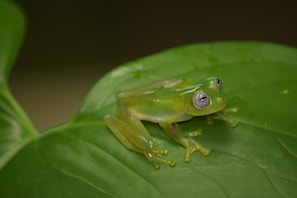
(15,128)
(82,158)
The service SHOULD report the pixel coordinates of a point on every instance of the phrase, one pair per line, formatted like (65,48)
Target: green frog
(167,102)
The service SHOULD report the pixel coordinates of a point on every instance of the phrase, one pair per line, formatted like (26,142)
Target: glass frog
(167,102)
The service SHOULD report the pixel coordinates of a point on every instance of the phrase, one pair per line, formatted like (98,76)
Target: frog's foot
(195,133)
(193,146)
(155,157)
(223,115)
(233,122)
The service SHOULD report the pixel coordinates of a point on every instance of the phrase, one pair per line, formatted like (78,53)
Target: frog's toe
(154,158)
(233,123)
(193,147)
(230,110)
(160,152)
(195,133)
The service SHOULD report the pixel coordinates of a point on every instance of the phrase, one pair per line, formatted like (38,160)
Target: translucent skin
(167,103)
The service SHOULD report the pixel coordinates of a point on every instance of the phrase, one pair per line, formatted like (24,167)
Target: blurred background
(71,44)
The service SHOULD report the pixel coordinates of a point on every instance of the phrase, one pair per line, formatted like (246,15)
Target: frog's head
(207,98)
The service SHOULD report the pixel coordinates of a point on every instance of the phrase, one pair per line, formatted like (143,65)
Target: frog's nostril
(221,100)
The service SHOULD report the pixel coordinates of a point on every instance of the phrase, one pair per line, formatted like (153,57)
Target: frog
(167,103)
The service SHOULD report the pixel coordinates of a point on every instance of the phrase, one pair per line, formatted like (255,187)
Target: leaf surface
(82,158)
(15,128)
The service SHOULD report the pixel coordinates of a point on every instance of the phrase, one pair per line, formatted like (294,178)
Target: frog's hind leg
(116,126)
(135,139)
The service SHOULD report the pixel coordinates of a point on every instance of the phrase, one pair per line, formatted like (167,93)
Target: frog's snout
(221,102)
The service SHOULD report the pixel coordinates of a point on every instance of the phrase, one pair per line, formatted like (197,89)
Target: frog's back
(155,104)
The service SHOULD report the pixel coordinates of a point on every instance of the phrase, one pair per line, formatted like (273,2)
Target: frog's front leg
(131,132)
(173,130)
(224,115)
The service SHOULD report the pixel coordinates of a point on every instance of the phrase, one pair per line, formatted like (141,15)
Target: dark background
(70,44)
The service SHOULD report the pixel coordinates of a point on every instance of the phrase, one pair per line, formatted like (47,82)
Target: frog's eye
(218,83)
(201,100)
